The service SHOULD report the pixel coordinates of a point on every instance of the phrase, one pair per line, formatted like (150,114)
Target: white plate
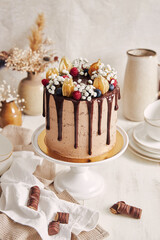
(6,148)
(140,152)
(142,156)
(5,165)
(147,143)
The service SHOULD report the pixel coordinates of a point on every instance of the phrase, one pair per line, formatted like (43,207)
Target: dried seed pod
(53,228)
(62,217)
(68,87)
(101,83)
(65,64)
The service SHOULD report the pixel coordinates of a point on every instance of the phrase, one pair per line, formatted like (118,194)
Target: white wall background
(93,29)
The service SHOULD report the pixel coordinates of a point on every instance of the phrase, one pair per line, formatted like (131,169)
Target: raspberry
(74,72)
(77,95)
(45,82)
(65,76)
(114,82)
(56,58)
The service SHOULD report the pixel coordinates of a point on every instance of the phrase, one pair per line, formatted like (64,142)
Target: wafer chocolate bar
(122,208)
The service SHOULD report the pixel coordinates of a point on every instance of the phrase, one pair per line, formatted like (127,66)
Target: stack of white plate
(142,145)
(6,150)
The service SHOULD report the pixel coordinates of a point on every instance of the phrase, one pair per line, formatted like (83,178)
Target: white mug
(140,83)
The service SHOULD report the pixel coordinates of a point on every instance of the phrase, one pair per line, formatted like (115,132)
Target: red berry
(65,76)
(114,82)
(45,82)
(56,58)
(74,72)
(77,95)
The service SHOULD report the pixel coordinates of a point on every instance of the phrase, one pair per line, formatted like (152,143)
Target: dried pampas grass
(36,58)
(36,37)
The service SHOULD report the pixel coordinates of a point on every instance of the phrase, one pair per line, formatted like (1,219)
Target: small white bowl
(152,120)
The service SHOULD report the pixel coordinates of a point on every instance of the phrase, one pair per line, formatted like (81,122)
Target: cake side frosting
(83,122)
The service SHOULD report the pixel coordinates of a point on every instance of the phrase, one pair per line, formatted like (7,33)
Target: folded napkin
(20,137)
(16,183)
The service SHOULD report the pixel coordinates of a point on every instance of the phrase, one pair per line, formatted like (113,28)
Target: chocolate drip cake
(80,105)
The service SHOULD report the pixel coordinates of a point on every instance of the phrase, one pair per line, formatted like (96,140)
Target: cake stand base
(81,182)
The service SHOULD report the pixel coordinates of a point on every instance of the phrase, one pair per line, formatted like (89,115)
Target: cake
(80,104)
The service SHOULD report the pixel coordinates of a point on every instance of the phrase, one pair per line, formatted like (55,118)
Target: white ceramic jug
(140,83)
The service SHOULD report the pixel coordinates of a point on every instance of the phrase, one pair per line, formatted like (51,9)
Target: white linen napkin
(16,183)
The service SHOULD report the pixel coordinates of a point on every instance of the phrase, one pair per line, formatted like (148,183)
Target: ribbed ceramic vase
(10,114)
(31,89)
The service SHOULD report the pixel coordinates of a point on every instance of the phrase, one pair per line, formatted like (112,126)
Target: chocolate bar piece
(62,217)
(53,228)
(122,208)
(34,198)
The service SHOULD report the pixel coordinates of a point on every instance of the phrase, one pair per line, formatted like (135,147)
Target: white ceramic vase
(31,89)
(140,83)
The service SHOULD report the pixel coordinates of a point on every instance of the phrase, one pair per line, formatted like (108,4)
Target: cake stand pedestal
(80,181)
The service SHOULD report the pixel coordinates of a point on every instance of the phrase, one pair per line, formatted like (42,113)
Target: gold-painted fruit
(101,83)
(51,71)
(68,87)
(65,64)
(94,67)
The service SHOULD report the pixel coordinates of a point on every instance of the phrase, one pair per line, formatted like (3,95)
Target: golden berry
(51,71)
(65,64)
(68,87)
(101,83)
(94,67)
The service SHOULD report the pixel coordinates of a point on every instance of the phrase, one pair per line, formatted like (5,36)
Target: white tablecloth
(128,178)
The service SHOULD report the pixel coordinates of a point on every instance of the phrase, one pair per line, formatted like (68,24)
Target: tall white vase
(140,83)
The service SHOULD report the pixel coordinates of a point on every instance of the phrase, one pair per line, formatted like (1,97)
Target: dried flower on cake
(94,67)
(51,71)
(68,87)
(101,83)
(65,65)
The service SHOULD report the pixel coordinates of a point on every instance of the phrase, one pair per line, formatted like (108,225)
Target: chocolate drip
(59,108)
(100,101)
(47,111)
(76,113)
(117,96)
(44,98)
(109,101)
(116,100)
(90,121)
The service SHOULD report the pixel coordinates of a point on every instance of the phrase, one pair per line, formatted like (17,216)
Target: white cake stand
(80,180)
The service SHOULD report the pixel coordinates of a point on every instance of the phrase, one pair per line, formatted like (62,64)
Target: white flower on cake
(80,64)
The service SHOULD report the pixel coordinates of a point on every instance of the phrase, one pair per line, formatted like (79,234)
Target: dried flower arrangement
(38,56)
(8,94)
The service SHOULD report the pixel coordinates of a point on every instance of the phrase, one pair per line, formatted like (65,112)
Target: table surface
(129,178)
